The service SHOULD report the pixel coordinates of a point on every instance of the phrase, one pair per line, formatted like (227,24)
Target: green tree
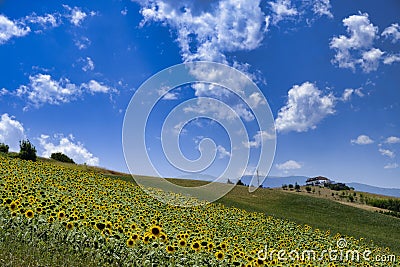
(61,157)
(4,148)
(297,187)
(27,151)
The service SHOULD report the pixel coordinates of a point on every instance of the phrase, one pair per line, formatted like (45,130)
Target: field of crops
(113,222)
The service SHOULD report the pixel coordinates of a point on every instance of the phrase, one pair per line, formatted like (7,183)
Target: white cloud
(96,87)
(222,152)
(322,8)
(168,95)
(11,131)
(289,165)
(362,140)
(219,110)
(362,34)
(391,166)
(347,93)
(66,145)
(387,152)
(82,43)
(89,64)
(393,32)
(10,29)
(390,59)
(304,109)
(42,89)
(4,91)
(392,140)
(259,138)
(282,9)
(46,21)
(370,59)
(124,12)
(255,99)
(230,25)
(76,15)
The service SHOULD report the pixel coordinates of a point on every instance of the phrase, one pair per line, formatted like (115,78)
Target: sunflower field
(114,223)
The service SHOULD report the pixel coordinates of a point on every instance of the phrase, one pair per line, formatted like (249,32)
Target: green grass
(320,213)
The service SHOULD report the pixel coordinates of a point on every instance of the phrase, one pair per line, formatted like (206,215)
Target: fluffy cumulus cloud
(259,138)
(37,23)
(362,140)
(392,140)
(357,48)
(387,152)
(349,92)
(69,147)
(76,15)
(390,59)
(95,87)
(222,152)
(289,165)
(362,34)
(10,29)
(205,106)
(208,32)
(11,131)
(392,32)
(305,108)
(282,9)
(43,89)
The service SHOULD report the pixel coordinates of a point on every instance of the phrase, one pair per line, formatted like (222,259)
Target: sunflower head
(170,249)
(130,242)
(69,225)
(155,230)
(29,214)
(219,255)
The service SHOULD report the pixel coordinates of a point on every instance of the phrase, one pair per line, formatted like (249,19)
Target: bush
(62,157)
(27,150)
(308,189)
(4,148)
(297,187)
(338,186)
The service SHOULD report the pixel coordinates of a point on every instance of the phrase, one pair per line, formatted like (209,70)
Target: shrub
(297,187)
(61,157)
(4,148)
(27,150)
(240,182)
(338,186)
(308,189)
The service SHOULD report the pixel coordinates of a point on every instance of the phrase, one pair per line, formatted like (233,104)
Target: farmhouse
(319,180)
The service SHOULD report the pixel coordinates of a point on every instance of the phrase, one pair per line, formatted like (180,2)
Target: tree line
(27,151)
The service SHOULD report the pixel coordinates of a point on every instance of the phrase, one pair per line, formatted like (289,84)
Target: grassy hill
(94,198)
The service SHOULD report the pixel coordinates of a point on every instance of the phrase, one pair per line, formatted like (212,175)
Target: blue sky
(328,69)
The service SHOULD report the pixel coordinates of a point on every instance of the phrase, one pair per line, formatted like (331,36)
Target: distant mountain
(392,192)
(275,181)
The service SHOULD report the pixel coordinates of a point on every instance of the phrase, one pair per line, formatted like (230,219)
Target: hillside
(89,219)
